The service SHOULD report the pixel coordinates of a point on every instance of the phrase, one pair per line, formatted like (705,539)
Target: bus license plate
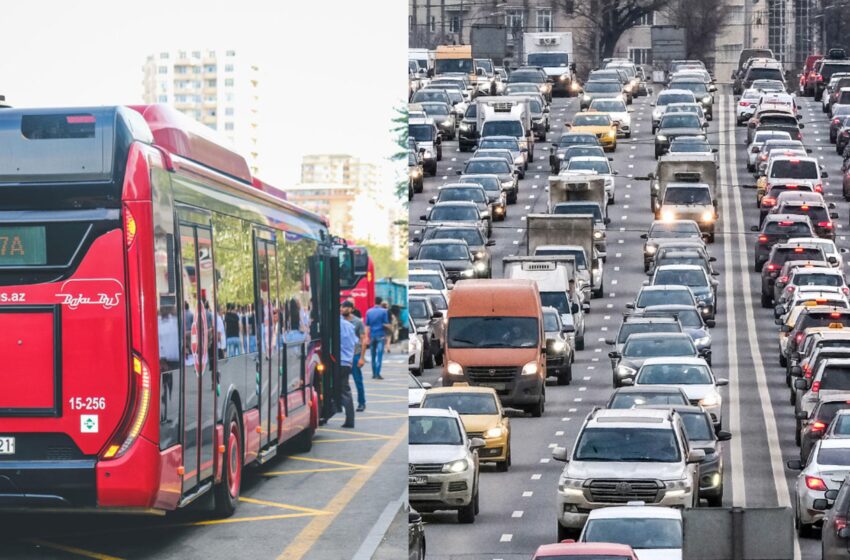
(7,446)
(417,480)
(497,386)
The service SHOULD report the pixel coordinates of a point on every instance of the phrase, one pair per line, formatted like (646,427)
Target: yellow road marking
(329,462)
(388,395)
(346,440)
(382,417)
(308,536)
(282,506)
(72,550)
(384,436)
(308,471)
(242,520)
(384,400)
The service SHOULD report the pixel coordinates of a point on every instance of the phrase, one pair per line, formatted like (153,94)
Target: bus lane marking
(72,549)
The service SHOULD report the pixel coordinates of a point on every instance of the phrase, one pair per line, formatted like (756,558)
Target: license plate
(7,446)
(497,386)
(417,480)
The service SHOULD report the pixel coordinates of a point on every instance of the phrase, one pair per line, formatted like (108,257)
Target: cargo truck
(553,234)
(554,53)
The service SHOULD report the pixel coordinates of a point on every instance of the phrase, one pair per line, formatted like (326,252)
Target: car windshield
(502,128)
(452,213)
(627,444)
(535,106)
(573,208)
(687,195)
(674,374)
(794,169)
(579,151)
(471,235)
(679,259)
(685,108)
(602,87)
(833,456)
(521,88)
(450,195)
(592,120)
(639,533)
(487,167)
(471,111)
(493,332)
(547,59)
(550,322)
(698,88)
(689,318)
(598,165)
(449,65)
(558,300)
(434,430)
(690,146)
(681,277)
(488,183)
(418,309)
(628,329)
(763,136)
(506,144)
(835,378)
(431,95)
(622,400)
(818,279)
(422,132)
(444,252)
(436,109)
(697,426)
(581,262)
(484,63)
(434,281)
(674,229)
(667,98)
(658,347)
(608,105)
(462,403)
(527,76)
(818,214)
(647,298)
(842,425)
(494,153)
(680,120)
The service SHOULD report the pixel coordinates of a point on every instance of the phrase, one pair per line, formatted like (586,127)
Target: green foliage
(400,131)
(385,265)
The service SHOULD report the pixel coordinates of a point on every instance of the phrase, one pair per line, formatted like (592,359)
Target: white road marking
(618,255)
(582,388)
(536,476)
(527,494)
(572,410)
(507,537)
(559,433)
(544,460)
(614,281)
(577,399)
(518,513)
(527,207)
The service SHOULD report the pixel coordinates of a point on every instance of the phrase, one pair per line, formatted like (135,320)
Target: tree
(701,20)
(609,19)
(385,265)
(400,131)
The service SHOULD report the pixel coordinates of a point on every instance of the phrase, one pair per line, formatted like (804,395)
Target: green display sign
(23,245)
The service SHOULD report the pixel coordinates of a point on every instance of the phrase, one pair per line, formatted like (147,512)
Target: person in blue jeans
(378,323)
(353,316)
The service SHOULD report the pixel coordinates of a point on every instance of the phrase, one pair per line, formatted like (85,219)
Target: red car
(585,551)
(809,77)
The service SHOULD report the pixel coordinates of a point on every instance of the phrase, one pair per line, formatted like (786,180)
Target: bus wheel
(227,491)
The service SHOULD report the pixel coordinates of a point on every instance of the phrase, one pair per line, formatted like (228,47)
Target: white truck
(554,53)
(507,109)
(580,193)
(555,234)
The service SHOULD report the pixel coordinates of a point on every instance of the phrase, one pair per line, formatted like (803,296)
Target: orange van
(495,339)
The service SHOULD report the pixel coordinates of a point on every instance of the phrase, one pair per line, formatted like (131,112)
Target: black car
(779,254)
(813,426)
(453,253)
(778,228)
(559,148)
(467,132)
(429,324)
(629,397)
(478,245)
(676,124)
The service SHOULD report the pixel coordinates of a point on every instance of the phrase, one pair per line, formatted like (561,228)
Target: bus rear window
(55,127)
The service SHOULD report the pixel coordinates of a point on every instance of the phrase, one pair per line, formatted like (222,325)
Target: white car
(595,165)
(815,276)
(828,464)
(759,139)
(618,111)
(746,105)
(415,351)
(442,463)
(821,295)
(415,391)
(433,279)
(692,375)
(830,251)
(654,533)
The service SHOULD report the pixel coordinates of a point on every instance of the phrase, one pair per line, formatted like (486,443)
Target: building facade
(216,87)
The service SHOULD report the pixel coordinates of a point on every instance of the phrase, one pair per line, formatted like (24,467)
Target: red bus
(166,320)
(362,286)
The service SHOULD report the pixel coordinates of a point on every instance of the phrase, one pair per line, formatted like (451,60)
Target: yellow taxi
(482,415)
(599,124)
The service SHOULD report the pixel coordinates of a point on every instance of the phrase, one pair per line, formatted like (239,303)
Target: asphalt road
(518,507)
(337,501)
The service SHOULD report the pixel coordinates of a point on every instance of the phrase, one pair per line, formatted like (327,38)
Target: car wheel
(530,157)
(715,501)
(797,438)
(429,360)
(783,361)
(766,300)
(580,342)
(226,495)
(536,410)
(804,530)
(502,466)
(466,514)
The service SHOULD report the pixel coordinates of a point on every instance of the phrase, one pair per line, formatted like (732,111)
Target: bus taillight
(142,382)
(129,226)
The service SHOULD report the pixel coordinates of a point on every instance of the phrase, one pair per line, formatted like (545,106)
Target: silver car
(828,464)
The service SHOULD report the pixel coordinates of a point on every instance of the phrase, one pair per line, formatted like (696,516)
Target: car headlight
(683,485)
(427,154)
(612,133)
(598,235)
(480,267)
(559,346)
(625,371)
(628,87)
(561,156)
(565,483)
(480,255)
(668,215)
(574,86)
(707,216)
(456,466)
(564,77)
(494,432)
(712,399)
(703,341)
(415,173)
(500,210)
(530,368)
(465,126)
(585,98)
(468,273)
(706,99)
(661,138)
(454,368)
(650,249)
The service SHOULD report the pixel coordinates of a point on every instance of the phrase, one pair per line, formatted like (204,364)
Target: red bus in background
(166,319)
(362,290)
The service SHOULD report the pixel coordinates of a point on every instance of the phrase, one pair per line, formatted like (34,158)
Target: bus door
(199,354)
(268,332)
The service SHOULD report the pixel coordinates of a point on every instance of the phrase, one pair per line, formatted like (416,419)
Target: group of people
(357,334)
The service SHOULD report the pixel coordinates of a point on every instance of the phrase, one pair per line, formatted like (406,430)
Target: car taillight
(762,239)
(815,483)
(815,386)
(790,289)
(818,426)
(819,188)
(835,314)
(799,338)
(763,157)
(807,370)
(772,267)
(129,227)
(744,103)
(142,392)
(827,225)
(798,249)
(846,290)
(818,77)
(835,121)
(768,201)
(783,279)
(839,522)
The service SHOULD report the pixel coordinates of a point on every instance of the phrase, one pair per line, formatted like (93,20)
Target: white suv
(443,463)
(626,455)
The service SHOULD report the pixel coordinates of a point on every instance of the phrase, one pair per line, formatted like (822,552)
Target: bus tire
(303,442)
(227,491)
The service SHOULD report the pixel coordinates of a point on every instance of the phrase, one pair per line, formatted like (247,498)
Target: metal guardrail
(738,533)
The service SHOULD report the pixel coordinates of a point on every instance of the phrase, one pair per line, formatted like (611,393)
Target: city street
(518,508)
(337,501)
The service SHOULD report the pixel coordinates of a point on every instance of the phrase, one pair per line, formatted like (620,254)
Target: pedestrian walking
(351,315)
(347,343)
(389,338)
(378,323)
(231,331)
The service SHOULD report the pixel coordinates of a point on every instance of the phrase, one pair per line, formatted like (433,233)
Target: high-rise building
(216,87)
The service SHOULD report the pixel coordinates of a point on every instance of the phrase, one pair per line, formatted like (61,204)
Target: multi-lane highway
(518,508)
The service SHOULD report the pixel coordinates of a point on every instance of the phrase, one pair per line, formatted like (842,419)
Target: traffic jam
(629,301)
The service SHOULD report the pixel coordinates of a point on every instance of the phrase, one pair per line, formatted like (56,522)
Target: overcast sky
(332,70)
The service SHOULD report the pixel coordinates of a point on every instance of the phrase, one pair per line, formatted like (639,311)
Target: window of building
(163,99)
(180,69)
(646,19)
(210,98)
(182,54)
(228,111)
(196,54)
(569,7)
(454,22)
(228,68)
(163,69)
(163,55)
(211,113)
(180,98)
(514,19)
(640,55)
(210,54)
(228,126)
(196,70)
(210,83)
(544,20)
(228,82)
(231,53)
(432,24)
(209,68)
(410,22)
(228,97)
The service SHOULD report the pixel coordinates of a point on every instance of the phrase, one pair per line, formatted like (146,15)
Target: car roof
(647,336)
(675,360)
(633,512)
(680,267)
(664,287)
(462,388)
(583,549)
(785,218)
(444,412)
(444,242)
(835,443)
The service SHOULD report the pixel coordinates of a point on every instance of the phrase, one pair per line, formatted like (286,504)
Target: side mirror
(785,328)
(476,443)
(432,200)
(627,382)
(754,228)
(568,329)
(426,385)
(585,307)
(421,150)
(821,504)
(450,284)
(574,308)
(710,323)
(795,465)
(423,217)
(458,172)
(630,306)
(414,517)
(712,88)
(824,174)
(801,384)
(722,382)
(833,215)
(644,236)
(715,273)
(714,150)
(801,415)
(560,454)
(831,206)
(606,221)
(490,242)
(652,104)
(437,315)
(696,456)
(723,435)
(712,259)
(610,341)
(614,355)
(801,125)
